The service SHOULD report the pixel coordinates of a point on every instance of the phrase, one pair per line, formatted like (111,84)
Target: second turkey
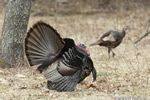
(111,39)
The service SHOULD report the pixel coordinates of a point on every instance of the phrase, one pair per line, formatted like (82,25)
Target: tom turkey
(111,39)
(63,63)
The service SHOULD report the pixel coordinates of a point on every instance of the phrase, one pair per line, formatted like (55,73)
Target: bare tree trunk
(14,28)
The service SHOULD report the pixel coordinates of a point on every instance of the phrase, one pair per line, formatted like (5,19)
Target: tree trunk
(14,28)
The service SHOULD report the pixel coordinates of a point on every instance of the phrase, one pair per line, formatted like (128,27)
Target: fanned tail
(42,43)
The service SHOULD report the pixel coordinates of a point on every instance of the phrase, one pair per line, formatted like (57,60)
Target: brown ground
(128,74)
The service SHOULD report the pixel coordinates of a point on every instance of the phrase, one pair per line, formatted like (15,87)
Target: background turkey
(63,63)
(111,39)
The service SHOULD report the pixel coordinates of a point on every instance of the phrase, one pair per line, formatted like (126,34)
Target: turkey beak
(94,74)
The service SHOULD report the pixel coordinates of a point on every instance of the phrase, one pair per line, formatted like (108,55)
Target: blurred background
(128,73)
(72,7)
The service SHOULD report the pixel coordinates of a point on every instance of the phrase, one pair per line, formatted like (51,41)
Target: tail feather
(35,50)
(35,39)
(41,35)
(95,43)
(100,43)
(42,43)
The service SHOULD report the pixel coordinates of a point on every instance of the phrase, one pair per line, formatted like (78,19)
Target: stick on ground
(143,36)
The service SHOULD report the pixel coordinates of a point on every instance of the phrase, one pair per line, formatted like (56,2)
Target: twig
(146,34)
(143,36)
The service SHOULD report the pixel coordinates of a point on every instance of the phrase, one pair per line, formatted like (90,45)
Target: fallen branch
(143,36)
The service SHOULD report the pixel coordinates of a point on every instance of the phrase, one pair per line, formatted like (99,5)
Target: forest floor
(127,75)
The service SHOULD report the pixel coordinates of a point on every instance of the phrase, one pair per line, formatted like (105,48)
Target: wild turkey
(63,63)
(111,39)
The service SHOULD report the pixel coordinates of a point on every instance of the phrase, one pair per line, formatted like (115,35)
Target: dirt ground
(127,75)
